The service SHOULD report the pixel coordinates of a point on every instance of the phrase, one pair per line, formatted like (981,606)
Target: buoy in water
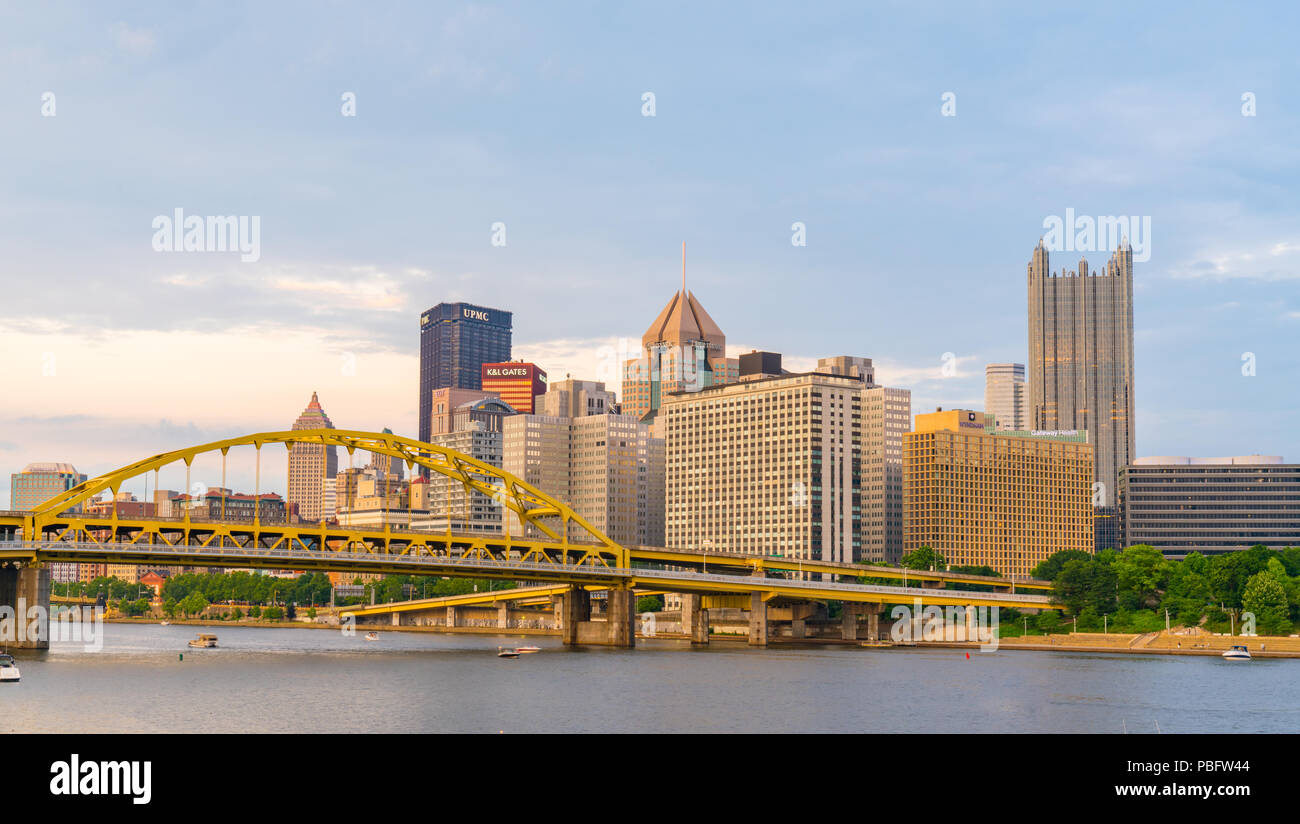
(968,656)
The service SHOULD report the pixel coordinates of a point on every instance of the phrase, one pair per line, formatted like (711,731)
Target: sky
(379,149)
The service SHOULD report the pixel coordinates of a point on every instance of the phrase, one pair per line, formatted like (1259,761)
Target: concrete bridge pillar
(849,622)
(620,617)
(757,620)
(574,609)
(695,619)
(798,628)
(503,615)
(21,589)
(397,619)
(873,620)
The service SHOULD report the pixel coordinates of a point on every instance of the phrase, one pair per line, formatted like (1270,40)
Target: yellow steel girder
(549,515)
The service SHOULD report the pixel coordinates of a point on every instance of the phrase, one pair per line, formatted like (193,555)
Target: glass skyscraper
(1081,365)
(456,339)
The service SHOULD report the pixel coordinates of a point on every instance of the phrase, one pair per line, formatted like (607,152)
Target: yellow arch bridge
(557,546)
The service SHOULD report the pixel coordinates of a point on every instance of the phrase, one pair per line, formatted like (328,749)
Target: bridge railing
(292,558)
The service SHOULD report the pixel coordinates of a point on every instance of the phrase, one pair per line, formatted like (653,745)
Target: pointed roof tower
(683,320)
(313,417)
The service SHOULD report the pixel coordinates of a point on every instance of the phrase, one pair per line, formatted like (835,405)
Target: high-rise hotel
(769,466)
(981,497)
(456,339)
(1081,365)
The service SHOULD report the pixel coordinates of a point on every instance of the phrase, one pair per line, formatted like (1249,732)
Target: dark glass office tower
(456,339)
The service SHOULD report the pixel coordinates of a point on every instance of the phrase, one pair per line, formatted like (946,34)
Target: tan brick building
(1007,500)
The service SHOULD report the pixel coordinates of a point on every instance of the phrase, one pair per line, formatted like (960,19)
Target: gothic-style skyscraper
(1081,362)
(309,464)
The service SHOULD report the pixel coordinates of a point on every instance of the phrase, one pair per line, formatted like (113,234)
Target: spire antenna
(683,266)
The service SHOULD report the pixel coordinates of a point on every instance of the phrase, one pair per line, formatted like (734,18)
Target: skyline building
(456,339)
(309,464)
(1081,369)
(449,505)
(1004,395)
(983,497)
(573,398)
(608,467)
(454,409)
(388,466)
(682,351)
(38,482)
(769,466)
(517,383)
(1210,505)
(886,418)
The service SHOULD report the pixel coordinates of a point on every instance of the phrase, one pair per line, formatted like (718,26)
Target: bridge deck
(494,567)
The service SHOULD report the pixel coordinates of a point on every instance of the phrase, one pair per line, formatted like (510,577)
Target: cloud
(135,42)
(1270,261)
(369,289)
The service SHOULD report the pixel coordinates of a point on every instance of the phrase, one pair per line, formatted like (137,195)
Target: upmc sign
(477,314)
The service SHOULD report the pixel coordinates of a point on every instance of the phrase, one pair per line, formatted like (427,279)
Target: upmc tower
(456,339)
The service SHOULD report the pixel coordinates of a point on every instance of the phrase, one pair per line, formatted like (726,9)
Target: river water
(305,680)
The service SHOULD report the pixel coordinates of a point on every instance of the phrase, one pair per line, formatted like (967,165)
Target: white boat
(525,650)
(164,623)
(507,653)
(204,642)
(372,636)
(8,669)
(1237,653)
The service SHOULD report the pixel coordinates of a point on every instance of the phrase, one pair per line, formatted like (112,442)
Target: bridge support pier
(503,615)
(798,628)
(849,622)
(620,618)
(22,589)
(574,609)
(695,619)
(757,620)
(873,620)
(450,618)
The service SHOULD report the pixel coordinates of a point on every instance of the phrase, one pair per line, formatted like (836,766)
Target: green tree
(649,603)
(1141,572)
(1230,571)
(923,558)
(194,603)
(1086,583)
(1049,569)
(1188,594)
(1265,596)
